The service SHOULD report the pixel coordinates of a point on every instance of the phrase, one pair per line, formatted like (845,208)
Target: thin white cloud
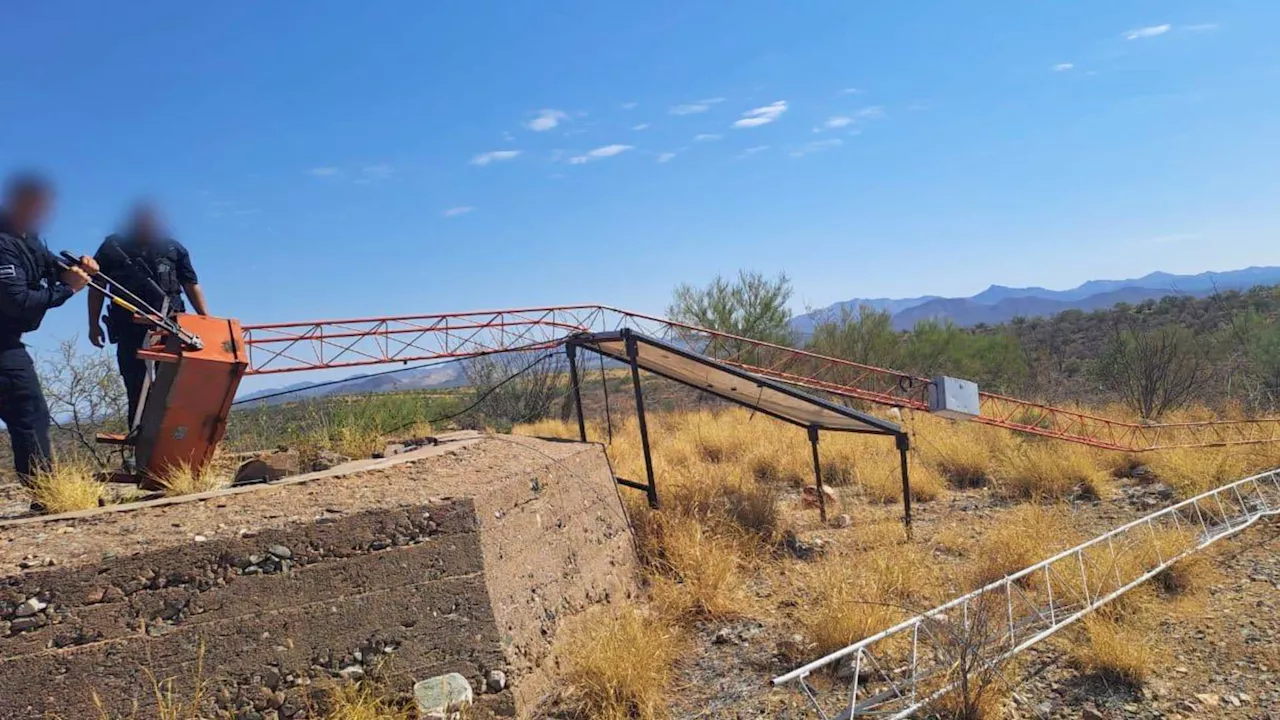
(494,156)
(508,137)
(1063,67)
(599,153)
(546,119)
(1147,32)
(641,126)
(761,115)
(380,171)
(753,150)
(837,122)
(666,157)
(706,137)
(849,91)
(694,108)
(630,105)
(816,146)
(323,171)
(456,211)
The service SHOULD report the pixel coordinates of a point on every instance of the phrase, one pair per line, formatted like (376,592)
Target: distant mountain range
(998,304)
(433,377)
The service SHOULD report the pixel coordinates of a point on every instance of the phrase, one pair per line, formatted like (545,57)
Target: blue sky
(331,159)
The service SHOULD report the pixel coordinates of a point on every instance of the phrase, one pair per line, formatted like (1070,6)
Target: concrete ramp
(464,558)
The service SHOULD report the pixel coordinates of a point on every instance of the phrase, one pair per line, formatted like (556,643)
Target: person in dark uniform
(31,282)
(156,268)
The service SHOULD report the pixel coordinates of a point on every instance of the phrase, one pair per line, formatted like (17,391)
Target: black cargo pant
(24,412)
(132,370)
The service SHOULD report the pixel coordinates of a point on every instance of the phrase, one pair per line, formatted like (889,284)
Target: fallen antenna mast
(912,664)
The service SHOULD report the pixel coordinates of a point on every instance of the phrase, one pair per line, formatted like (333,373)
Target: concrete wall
(466,561)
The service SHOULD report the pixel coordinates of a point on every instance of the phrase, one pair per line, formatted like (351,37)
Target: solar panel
(725,381)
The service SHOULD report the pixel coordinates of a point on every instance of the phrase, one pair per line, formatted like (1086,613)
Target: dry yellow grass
(552,428)
(961,453)
(170,701)
(879,476)
(697,573)
(1027,535)
(68,487)
(350,701)
(1191,471)
(186,480)
(1037,470)
(619,665)
(850,598)
(346,701)
(358,442)
(1115,650)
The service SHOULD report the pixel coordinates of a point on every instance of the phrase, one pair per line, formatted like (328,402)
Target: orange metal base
(185,412)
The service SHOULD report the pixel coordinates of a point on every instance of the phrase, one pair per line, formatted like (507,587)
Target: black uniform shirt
(152,270)
(29,284)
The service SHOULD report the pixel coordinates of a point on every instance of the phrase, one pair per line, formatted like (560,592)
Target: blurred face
(27,210)
(146,224)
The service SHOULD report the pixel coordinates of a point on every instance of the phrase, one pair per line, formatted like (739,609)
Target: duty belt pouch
(113,329)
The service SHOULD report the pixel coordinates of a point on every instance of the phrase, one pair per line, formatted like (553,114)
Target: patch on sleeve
(8,271)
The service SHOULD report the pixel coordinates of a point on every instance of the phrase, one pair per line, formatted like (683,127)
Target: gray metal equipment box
(953,398)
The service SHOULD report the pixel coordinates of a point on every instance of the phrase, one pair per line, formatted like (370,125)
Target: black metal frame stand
(903,442)
(572,353)
(631,355)
(817,474)
(652,489)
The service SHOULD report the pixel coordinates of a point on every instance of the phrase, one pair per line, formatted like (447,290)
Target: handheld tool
(134,304)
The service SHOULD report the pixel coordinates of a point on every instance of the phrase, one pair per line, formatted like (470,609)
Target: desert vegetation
(737,543)
(723,547)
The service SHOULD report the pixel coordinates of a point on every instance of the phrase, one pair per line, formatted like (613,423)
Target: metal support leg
(608,414)
(817,474)
(904,444)
(572,352)
(644,428)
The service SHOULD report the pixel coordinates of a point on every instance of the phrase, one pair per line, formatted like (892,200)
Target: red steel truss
(290,347)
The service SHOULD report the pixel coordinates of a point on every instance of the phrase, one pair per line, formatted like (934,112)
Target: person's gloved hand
(96,336)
